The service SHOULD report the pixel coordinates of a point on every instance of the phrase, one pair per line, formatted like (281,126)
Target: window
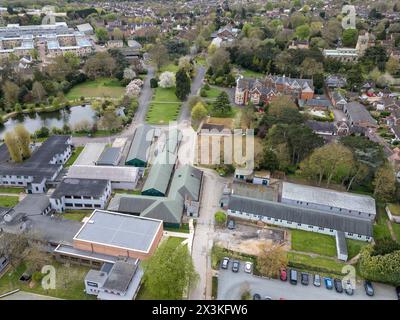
(299,224)
(97,206)
(68,197)
(359,236)
(320,228)
(78,205)
(310,227)
(68,204)
(349,234)
(85,197)
(88,205)
(330,230)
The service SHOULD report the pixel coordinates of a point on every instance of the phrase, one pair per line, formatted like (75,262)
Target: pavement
(204,233)
(231,285)
(23,295)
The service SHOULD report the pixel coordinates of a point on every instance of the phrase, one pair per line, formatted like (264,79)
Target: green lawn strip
(169,67)
(137,192)
(214,289)
(102,87)
(396,230)
(74,156)
(381,229)
(76,215)
(8,201)
(165,95)
(69,282)
(213,93)
(354,247)
(98,133)
(394,209)
(321,265)
(162,113)
(11,190)
(313,242)
(250,73)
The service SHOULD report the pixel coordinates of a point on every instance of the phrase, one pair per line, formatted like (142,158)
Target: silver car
(317,280)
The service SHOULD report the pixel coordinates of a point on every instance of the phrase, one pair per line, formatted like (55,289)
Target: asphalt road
(230,286)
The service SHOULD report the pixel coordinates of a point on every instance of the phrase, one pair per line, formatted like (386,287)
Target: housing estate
(257,91)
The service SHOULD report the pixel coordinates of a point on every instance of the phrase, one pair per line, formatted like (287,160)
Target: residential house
(359,116)
(335,81)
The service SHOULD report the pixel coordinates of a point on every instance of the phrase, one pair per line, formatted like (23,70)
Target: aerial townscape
(199,150)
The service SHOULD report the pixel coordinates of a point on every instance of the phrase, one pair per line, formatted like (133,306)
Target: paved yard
(231,284)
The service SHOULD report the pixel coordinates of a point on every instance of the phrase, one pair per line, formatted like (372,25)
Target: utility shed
(139,150)
(341,246)
(109,157)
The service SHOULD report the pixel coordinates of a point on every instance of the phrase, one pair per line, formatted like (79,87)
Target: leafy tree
(117,34)
(13,247)
(153,83)
(11,142)
(199,111)
(102,35)
(269,160)
(24,140)
(220,217)
(219,59)
(384,183)
(310,67)
(110,120)
(349,37)
(182,89)
(222,105)
(271,259)
(38,91)
(392,66)
(385,246)
(303,32)
(10,91)
(375,56)
(102,64)
(167,80)
(169,271)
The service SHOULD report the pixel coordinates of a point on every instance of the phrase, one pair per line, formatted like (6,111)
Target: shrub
(220,217)
(153,83)
(207,87)
(203,93)
(42,132)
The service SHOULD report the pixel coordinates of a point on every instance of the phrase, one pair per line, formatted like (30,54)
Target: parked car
(231,224)
(225,263)
(328,283)
(235,266)
(338,285)
(3,263)
(398,292)
(348,288)
(317,280)
(304,278)
(256,296)
(248,267)
(267,298)
(283,274)
(293,276)
(369,289)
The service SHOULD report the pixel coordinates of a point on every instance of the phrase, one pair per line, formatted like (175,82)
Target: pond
(70,116)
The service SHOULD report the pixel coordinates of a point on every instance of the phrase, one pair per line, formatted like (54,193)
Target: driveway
(204,232)
(196,85)
(23,295)
(231,285)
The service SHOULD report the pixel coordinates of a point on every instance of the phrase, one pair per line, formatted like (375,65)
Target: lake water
(32,122)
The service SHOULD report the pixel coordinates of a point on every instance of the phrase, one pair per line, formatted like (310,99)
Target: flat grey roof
(119,230)
(109,157)
(341,243)
(80,187)
(112,173)
(90,154)
(120,276)
(327,197)
(71,251)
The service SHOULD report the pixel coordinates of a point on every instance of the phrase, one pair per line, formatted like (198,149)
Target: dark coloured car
(398,292)
(348,288)
(231,224)
(304,278)
(328,283)
(317,280)
(235,266)
(256,296)
(283,274)
(369,289)
(225,263)
(338,285)
(293,276)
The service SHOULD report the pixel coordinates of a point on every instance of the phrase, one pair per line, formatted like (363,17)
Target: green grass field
(8,201)
(99,88)
(164,107)
(381,229)
(69,282)
(354,247)
(11,190)
(317,264)
(213,93)
(396,229)
(169,67)
(76,215)
(74,156)
(250,74)
(313,242)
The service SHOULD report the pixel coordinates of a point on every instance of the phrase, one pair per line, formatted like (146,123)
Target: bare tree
(272,258)
(12,144)
(13,246)
(24,139)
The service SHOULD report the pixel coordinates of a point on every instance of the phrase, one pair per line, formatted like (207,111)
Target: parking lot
(231,285)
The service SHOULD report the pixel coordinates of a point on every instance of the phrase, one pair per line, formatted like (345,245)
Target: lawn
(12,190)
(164,107)
(184,228)
(137,192)
(8,201)
(354,247)
(74,156)
(76,215)
(250,74)
(315,264)
(313,242)
(169,67)
(99,88)
(213,93)
(69,282)
(381,229)
(396,229)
